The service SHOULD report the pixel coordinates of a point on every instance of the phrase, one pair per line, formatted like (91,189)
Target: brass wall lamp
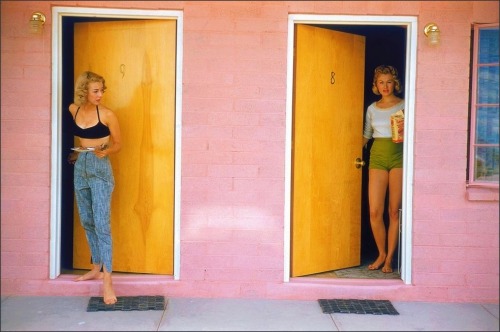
(432,32)
(36,22)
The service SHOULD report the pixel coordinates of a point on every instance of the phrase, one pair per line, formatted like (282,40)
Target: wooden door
(137,60)
(327,139)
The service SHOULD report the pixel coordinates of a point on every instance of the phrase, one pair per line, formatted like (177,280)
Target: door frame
(410,23)
(56,114)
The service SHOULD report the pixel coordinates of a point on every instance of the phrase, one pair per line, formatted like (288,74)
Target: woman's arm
(365,141)
(109,119)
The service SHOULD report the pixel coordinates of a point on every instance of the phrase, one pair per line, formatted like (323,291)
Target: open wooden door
(326,141)
(137,60)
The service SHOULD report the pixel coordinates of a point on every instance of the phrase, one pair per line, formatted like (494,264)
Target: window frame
(474,106)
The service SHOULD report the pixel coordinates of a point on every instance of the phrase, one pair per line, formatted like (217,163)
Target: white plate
(80,149)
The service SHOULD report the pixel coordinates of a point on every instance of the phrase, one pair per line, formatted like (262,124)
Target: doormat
(128,303)
(374,307)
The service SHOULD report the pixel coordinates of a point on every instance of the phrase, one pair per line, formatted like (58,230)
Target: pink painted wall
(233,155)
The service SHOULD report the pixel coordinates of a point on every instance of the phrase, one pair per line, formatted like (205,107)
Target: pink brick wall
(233,156)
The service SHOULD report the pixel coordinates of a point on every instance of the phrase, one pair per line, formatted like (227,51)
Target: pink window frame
(474,106)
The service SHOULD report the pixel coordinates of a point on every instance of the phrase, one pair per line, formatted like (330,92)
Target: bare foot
(92,274)
(377,264)
(109,294)
(387,268)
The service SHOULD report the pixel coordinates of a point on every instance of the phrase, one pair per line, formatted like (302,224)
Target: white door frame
(55,196)
(410,23)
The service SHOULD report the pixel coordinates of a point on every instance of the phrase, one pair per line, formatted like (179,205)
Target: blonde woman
(386,164)
(98,132)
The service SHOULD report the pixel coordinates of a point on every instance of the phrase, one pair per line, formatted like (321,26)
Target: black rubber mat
(128,303)
(374,307)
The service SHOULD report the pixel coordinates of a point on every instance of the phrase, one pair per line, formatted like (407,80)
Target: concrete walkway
(61,313)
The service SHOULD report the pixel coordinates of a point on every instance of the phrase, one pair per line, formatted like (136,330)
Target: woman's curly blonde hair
(82,86)
(383,69)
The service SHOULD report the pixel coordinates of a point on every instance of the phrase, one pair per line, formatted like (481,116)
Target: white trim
(55,206)
(410,23)
(408,180)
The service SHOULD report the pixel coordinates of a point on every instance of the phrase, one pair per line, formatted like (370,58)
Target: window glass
(487,85)
(486,164)
(484,141)
(487,125)
(488,45)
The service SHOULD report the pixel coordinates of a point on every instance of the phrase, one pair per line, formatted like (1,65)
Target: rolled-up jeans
(94,184)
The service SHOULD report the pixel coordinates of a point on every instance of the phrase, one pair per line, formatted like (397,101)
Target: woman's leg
(395,197)
(109,296)
(102,188)
(101,207)
(103,230)
(377,187)
(83,196)
(93,195)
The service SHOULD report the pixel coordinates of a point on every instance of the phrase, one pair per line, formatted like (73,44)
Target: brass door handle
(359,163)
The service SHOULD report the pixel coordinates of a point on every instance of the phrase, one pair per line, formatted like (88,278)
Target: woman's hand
(72,157)
(100,151)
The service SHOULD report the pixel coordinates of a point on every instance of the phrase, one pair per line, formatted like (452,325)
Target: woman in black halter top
(98,132)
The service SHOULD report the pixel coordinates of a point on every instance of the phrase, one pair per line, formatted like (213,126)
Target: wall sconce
(37,21)
(432,32)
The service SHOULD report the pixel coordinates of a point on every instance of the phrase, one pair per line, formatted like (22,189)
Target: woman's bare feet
(95,273)
(377,264)
(387,269)
(109,296)
(387,266)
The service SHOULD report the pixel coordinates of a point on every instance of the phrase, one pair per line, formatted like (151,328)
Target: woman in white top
(386,162)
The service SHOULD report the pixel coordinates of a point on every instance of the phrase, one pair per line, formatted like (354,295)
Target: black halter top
(98,131)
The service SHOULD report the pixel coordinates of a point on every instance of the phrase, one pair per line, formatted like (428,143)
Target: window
(484,142)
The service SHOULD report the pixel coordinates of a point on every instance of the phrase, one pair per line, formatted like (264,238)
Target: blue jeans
(94,184)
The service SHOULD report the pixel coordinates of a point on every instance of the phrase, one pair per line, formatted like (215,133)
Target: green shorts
(386,155)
